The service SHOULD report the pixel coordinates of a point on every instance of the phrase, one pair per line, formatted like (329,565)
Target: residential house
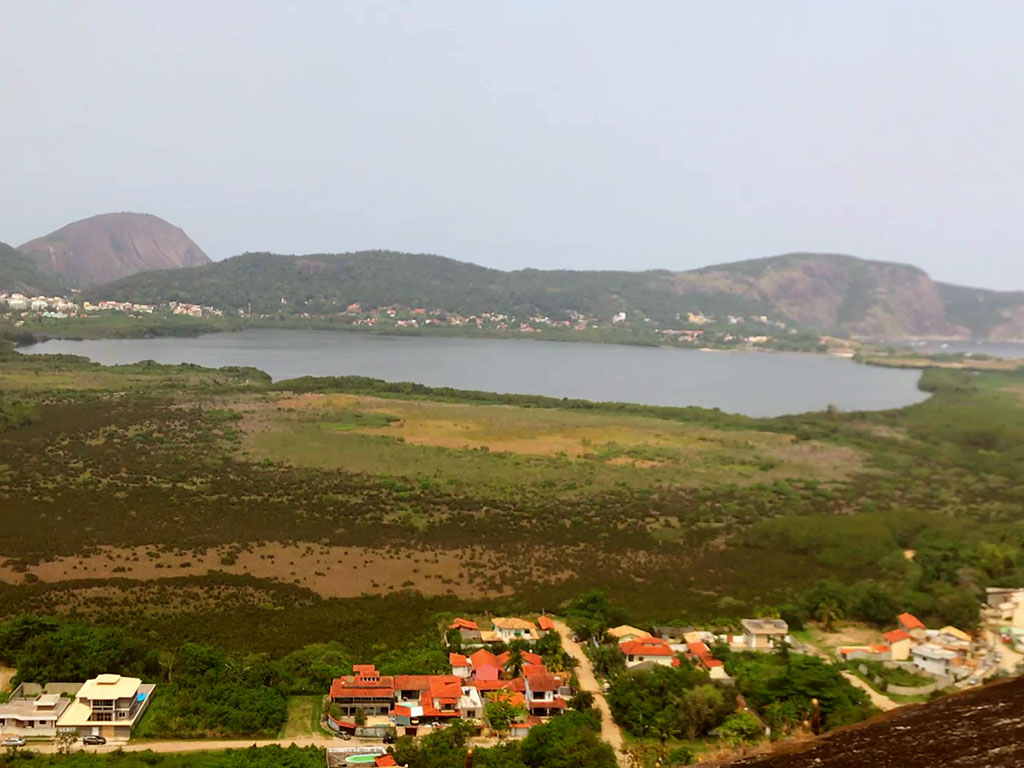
(469,632)
(27,716)
(545,625)
(865,652)
(900,642)
(1005,606)
(542,697)
(699,652)
(763,634)
(912,625)
(624,633)
(934,660)
(363,691)
(461,667)
(108,706)
(652,649)
(674,635)
(508,630)
(522,730)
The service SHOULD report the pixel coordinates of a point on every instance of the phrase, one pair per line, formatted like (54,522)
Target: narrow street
(588,682)
(880,700)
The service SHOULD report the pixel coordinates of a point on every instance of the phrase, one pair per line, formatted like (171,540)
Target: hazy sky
(546,134)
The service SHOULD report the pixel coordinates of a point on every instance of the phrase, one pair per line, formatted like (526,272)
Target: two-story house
(108,706)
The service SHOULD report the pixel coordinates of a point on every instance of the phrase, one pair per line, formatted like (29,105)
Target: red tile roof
(384,761)
(542,683)
(909,621)
(545,623)
(412,682)
(529,657)
(458,660)
(895,635)
(361,693)
(647,646)
(698,649)
(881,648)
(445,686)
(461,623)
(484,658)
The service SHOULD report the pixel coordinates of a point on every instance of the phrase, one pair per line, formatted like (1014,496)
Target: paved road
(880,700)
(197,745)
(588,682)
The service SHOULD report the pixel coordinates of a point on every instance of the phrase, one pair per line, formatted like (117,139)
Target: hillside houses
(503,630)
(947,652)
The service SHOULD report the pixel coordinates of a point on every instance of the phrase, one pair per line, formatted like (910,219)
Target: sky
(547,134)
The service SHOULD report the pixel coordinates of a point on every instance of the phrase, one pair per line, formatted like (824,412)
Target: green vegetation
(253,757)
(569,741)
(888,675)
(780,687)
(289,529)
(667,702)
(20,274)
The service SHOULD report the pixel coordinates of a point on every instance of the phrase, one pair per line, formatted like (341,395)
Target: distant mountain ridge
(825,293)
(111,246)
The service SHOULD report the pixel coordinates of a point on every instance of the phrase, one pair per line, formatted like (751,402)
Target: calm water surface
(754,383)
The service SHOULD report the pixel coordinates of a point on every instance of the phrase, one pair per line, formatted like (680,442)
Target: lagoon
(752,383)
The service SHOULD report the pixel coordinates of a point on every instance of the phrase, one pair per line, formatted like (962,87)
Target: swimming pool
(360,760)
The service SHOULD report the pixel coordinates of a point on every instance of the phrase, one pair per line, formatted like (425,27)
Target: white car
(14,741)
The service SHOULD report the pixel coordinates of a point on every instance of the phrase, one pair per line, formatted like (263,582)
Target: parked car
(93,740)
(13,741)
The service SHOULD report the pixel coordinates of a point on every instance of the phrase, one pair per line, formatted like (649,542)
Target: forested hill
(20,274)
(819,292)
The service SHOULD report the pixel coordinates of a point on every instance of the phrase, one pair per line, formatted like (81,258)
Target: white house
(32,717)
(515,629)
(763,634)
(108,705)
(644,649)
(933,660)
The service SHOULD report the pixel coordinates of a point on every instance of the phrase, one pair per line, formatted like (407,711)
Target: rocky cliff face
(833,293)
(114,245)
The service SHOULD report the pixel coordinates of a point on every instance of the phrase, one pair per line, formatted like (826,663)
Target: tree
(500,714)
(360,717)
(65,740)
(739,728)
(581,700)
(828,613)
(568,741)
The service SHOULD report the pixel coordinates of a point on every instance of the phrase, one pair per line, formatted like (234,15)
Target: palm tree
(828,613)
(515,662)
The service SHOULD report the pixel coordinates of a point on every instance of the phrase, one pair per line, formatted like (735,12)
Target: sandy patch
(328,571)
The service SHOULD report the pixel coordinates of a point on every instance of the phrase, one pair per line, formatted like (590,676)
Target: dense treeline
(571,740)
(253,757)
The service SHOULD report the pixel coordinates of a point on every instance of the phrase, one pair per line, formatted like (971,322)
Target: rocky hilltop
(822,293)
(111,246)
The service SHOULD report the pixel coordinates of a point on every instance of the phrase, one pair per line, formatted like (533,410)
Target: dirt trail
(588,682)
(880,700)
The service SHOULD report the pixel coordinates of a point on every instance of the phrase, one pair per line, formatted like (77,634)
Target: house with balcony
(108,706)
(363,691)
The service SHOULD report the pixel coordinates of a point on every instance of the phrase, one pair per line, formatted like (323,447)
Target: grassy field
(506,447)
(173,497)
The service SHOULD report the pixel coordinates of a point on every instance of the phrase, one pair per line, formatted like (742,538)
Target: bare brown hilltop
(113,245)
